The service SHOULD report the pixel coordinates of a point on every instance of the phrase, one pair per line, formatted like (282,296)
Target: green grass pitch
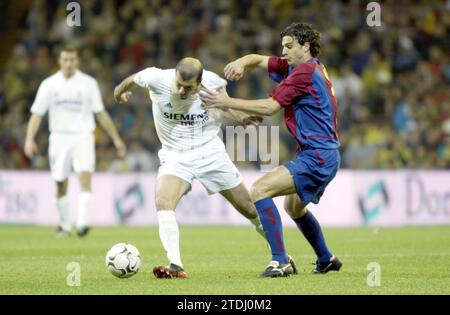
(226,260)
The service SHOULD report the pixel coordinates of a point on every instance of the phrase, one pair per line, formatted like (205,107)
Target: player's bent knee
(288,205)
(247,209)
(296,212)
(164,203)
(86,187)
(259,190)
(294,207)
(85,181)
(61,188)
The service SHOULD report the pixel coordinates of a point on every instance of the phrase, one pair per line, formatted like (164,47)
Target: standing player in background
(71,98)
(306,95)
(191,148)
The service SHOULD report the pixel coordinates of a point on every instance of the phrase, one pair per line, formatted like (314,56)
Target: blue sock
(310,227)
(271,222)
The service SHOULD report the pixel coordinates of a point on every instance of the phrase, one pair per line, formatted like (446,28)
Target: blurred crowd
(391,81)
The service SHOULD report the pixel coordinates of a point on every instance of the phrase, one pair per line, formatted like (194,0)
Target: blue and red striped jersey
(306,94)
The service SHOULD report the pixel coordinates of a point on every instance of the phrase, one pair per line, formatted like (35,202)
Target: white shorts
(71,149)
(211,165)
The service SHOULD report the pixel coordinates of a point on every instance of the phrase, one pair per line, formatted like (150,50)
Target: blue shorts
(312,170)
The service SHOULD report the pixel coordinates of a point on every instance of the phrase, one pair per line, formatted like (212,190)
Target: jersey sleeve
(97,103)
(278,68)
(212,81)
(148,78)
(293,87)
(42,99)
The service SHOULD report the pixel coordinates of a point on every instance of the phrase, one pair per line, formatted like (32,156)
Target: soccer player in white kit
(72,98)
(191,148)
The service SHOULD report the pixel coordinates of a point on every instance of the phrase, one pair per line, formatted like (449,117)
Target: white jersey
(181,125)
(71,102)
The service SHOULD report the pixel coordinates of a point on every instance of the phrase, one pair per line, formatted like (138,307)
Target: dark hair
(189,69)
(304,33)
(68,48)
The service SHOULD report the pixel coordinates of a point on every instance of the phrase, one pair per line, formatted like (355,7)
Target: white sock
(62,204)
(258,226)
(84,208)
(170,235)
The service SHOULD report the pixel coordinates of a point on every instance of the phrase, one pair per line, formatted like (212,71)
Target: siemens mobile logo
(73,105)
(188,119)
(69,102)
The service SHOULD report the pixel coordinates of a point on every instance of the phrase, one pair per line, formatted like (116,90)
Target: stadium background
(391,82)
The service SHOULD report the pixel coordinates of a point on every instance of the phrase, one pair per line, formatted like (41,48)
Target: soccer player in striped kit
(306,94)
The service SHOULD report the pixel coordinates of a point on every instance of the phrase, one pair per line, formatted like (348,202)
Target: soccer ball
(123,260)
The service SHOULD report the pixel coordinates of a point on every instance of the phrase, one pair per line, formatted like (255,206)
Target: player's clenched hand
(213,99)
(234,70)
(253,120)
(122,97)
(121,148)
(30,148)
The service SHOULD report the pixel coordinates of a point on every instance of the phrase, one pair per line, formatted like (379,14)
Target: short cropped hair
(304,33)
(187,71)
(68,48)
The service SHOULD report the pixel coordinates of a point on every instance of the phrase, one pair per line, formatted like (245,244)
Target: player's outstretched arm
(30,145)
(106,122)
(122,92)
(242,117)
(235,70)
(239,116)
(264,107)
